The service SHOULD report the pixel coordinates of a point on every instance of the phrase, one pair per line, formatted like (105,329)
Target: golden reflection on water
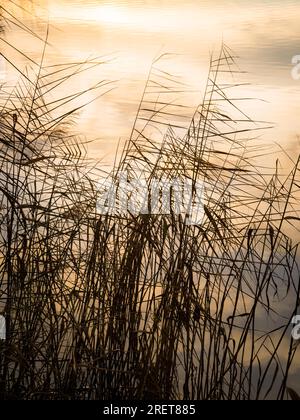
(134,32)
(265,34)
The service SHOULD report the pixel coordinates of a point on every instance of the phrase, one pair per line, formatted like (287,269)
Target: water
(264,34)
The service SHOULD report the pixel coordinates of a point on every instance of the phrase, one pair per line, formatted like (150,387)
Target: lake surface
(128,35)
(264,34)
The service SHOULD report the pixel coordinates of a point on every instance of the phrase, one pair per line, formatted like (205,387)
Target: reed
(144,306)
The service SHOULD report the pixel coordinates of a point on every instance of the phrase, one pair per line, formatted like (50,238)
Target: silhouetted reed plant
(143,306)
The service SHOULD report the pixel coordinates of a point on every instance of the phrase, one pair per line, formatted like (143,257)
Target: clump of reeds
(138,307)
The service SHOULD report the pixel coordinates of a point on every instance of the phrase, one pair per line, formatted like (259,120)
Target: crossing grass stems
(143,306)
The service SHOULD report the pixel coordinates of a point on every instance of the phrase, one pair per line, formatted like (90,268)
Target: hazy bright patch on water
(265,34)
